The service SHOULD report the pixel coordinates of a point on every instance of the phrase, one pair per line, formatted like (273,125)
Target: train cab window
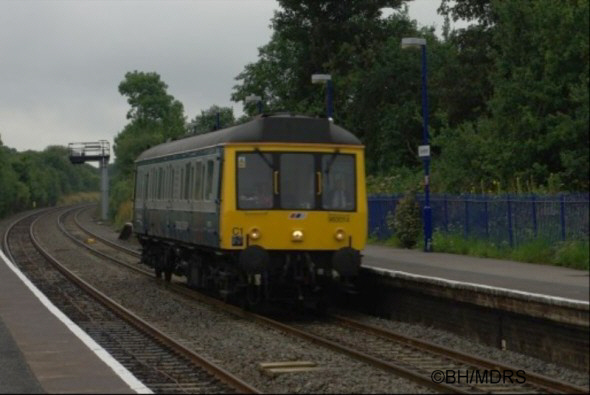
(338,189)
(297,181)
(255,181)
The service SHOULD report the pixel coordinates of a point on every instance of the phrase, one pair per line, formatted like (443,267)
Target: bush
(407,223)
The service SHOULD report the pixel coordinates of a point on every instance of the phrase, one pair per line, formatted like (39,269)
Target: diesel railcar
(274,208)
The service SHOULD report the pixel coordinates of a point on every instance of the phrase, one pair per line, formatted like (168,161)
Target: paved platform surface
(38,353)
(525,277)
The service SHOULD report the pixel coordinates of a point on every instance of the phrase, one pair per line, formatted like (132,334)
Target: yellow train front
(271,209)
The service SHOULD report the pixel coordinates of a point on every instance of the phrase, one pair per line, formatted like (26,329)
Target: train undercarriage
(254,275)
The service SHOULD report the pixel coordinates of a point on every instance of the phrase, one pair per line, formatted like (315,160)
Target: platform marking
(539,297)
(107,358)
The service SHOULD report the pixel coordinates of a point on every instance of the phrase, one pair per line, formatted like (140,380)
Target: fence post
(446,210)
(466,222)
(562,215)
(534,206)
(510,236)
(485,206)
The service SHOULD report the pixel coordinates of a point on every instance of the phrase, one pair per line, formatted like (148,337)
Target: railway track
(162,364)
(401,355)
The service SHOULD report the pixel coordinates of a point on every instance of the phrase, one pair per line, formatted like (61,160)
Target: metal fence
(509,220)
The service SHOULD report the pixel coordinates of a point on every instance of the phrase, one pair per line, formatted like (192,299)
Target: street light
(327,78)
(257,99)
(424,149)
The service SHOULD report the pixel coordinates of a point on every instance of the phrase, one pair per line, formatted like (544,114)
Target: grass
(572,254)
(124,214)
(80,197)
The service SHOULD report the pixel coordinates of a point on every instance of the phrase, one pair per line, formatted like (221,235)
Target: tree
(534,122)
(155,117)
(207,120)
(331,36)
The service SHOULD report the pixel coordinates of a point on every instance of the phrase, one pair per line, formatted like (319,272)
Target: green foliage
(207,120)
(535,127)
(407,223)
(508,95)
(37,179)
(399,179)
(155,117)
(573,254)
(120,195)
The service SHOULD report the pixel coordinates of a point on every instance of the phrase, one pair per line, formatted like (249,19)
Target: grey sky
(62,61)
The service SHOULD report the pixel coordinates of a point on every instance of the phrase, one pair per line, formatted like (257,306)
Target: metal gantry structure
(99,151)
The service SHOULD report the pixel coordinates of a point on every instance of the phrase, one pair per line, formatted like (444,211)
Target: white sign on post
(424,151)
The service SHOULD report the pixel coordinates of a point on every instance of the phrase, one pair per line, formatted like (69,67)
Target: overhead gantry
(100,152)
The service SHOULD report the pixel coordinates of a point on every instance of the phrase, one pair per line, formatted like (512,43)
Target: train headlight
(297,235)
(340,234)
(255,233)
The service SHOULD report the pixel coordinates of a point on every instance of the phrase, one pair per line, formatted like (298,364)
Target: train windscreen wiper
(264,158)
(331,161)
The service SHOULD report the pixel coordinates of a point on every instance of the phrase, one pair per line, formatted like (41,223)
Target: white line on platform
(119,369)
(508,292)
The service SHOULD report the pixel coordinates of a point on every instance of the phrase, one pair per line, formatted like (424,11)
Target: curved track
(157,360)
(402,355)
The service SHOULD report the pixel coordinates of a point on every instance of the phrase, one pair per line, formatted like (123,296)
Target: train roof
(274,128)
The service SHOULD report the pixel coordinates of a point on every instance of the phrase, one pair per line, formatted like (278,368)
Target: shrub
(407,222)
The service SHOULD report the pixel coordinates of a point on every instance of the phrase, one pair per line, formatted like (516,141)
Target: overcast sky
(62,61)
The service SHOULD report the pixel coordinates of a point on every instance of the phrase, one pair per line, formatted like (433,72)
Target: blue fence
(509,220)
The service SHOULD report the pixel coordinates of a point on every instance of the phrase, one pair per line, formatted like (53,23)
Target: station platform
(537,279)
(41,350)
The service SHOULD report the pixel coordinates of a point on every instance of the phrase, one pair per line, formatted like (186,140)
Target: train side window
(198,183)
(182,183)
(145,185)
(209,180)
(160,182)
(171,184)
(187,178)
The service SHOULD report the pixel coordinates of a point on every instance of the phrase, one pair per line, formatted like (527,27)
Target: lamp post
(257,99)
(424,149)
(327,78)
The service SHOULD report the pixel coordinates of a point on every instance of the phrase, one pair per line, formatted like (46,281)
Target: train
(271,209)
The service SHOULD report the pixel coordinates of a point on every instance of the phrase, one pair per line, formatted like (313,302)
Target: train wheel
(169,263)
(158,271)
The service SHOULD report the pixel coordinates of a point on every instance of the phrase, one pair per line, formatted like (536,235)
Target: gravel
(240,345)
(236,344)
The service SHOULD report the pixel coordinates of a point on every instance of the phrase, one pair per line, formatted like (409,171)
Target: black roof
(279,128)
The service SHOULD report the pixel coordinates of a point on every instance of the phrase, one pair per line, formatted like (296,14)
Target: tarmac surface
(554,281)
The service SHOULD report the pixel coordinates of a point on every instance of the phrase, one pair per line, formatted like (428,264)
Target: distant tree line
(36,179)
(508,95)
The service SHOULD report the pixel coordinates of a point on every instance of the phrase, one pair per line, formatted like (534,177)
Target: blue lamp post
(327,78)
(257,99)
(424,149)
